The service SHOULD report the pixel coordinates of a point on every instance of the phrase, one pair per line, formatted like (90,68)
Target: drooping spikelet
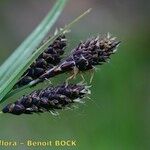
(85,56)
(49,99)
(49,58)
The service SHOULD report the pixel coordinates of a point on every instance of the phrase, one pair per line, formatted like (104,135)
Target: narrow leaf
(29,45)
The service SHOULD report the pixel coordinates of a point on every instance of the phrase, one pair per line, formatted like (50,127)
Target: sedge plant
(47,61)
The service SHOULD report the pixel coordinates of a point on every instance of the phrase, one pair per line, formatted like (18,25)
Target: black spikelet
(49,99)
(49,58)
(86,56)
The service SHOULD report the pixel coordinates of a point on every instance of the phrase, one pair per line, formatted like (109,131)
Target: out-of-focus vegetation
(117,118)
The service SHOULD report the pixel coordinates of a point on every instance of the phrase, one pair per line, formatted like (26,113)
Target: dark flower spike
(47,60)
(49,99)
(85,56)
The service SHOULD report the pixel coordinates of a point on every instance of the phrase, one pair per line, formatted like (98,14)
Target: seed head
(86,56)
(49,58)
(49,99)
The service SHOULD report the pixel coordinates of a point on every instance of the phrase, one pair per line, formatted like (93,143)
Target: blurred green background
(117,118)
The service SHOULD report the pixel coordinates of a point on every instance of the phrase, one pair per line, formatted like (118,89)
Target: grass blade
(29,45)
